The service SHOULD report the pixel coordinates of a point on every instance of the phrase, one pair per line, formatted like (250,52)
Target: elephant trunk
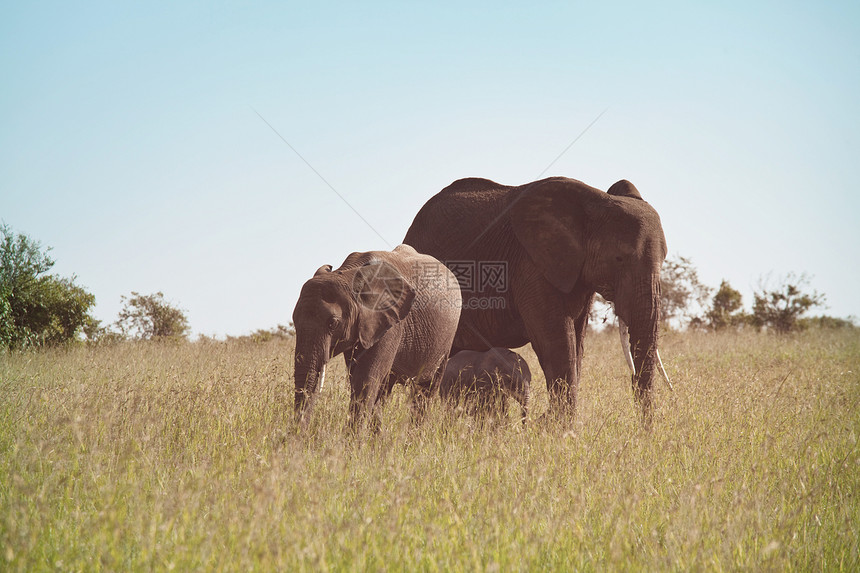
(644,325)
(310,366)
(624,332)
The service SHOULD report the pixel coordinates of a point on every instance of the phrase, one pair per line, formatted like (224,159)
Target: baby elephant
(486,378)
(393,316)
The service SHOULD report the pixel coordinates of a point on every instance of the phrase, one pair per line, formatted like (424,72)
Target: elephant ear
(384,298)
(624,188)
(550,224)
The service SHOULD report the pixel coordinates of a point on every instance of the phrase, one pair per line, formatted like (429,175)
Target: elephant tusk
(625,347)
(624,332)
(321,379)
(663,371)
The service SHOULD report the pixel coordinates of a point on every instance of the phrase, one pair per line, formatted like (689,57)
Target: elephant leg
(368,373)
(502,401)
(427,385)
(422,390)
(356,392)
(499,396)
(356,403)
(580,327)
(554,341)
(381,397)
(483,400)
(437,376)
(557,332)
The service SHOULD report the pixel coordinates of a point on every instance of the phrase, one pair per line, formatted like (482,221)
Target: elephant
(392,315)
(530,259)
(487,378)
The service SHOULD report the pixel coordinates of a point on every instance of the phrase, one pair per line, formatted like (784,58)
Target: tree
(726,308)
(261,335)
(148,317)
(682,295)
(37,309)
(828,322)
(781,307)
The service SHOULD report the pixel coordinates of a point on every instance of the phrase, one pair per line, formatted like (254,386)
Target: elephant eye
(619,259)
(333,322)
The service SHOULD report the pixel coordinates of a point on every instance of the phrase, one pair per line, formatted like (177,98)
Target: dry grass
(147,456)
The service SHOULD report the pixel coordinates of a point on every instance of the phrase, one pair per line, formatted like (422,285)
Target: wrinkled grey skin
(562,241)
(487,378)
(392,315)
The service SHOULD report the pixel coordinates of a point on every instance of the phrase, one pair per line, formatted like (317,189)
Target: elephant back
(450,221)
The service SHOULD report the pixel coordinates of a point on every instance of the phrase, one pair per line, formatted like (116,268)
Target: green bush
(782,307)
(827,322)
(726,308)
(682,294)
(37,309)
(261,335)
(147,317)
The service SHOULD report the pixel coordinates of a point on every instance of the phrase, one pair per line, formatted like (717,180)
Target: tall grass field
(185,457)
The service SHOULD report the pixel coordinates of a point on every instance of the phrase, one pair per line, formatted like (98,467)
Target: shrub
(147,317)
(683,296)
(37,309)
(261,335)
(829,322)
(726,308)
(781,307)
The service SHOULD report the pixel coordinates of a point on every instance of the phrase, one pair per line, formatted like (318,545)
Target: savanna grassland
(185,456)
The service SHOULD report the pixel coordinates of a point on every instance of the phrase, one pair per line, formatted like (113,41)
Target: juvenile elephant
(487,378)
(553,243)
(392,315)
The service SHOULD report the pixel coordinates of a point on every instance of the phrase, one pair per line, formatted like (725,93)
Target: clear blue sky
(130,140)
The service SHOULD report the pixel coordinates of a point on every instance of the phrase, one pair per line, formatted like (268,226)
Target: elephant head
(340,310)
(612,243)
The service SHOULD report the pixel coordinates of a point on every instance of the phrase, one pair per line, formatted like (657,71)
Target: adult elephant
(558,241)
